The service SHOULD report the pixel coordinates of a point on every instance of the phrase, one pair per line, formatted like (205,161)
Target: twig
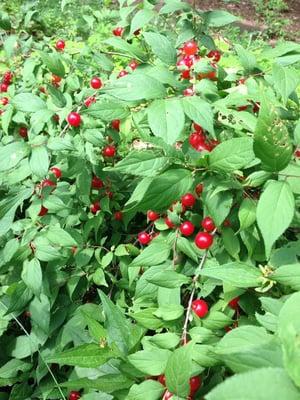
(40,354)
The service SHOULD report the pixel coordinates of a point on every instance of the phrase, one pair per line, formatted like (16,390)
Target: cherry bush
(149,218)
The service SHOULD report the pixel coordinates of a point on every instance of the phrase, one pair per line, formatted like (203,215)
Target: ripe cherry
(186,74)
(3,87)
(188,61)
(109,151)
(195,139)
(297,153)
(118,215)
(56,79)
(195,383)
(144,238)
(74,119)
(7,77)
(56,171)
(169,223)
(234,303)
(118,31)
(187,228)
(4,101)
(200,308)
(97,183)
(162,379)
(115,124)
(188,200)
(133,65)
(215,55)
(60,45)
(95,207)
(42,89)
(43,211)
(47,183)
(203,240)
(122,73)
(190,48)
(203,147)
(89,101)
(23,132)
(96,83)
(242,81)
(74,395)
(109,194)
(199,189)
(208,224)
(152,215)
(198,128)
(188,92)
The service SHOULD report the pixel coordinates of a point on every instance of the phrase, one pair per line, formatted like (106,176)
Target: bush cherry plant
(150,214)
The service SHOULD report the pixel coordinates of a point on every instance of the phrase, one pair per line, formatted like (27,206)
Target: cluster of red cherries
(199,141)
(195,384)
(5,82)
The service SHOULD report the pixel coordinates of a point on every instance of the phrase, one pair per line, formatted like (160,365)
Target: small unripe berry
(4,101)
(188,92)
(122,73)
(199,189)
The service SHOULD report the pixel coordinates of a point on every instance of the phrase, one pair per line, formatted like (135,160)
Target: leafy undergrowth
(149,213)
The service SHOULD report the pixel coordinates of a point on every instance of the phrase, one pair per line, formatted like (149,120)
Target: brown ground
(251,19)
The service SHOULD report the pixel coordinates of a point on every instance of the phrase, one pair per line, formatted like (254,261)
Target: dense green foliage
(101,299)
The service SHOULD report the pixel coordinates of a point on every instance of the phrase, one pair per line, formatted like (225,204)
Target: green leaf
(136,87)
(39,161)
(231,242)
(147,390)
(259,384)
(285,81)
(199,111)
(108,110)
(166,119)
(246,58)
(169,279)
(130,49)
(28,102)
(156,253)
(166,340)
(169,312)
(140,19)
(232,155)
(187,247)
(39,309)
(161,47)
(247,213)
(174,5)
(272,143)
(289,331)
(217,18)
(85,356)
(236,274)
(275,211)
(59,236)
(150,362)
(12,154)
(53,63)
(108,383)
(142,163)
(177,379)
(116,324)
(96,330)
(32,275)
(19,295)
(147,319)
(217,205)
(288,275)
(57,96)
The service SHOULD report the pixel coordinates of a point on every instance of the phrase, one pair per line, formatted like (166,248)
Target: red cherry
(74,119)
(242,81)
(144,238)
(23,131)
(199,189)
(162,379)
(7,77)
(195,384)
(60,45)
(188,92)
(95,207)
(204,240)
(4,101)
(56,171)
(195,139)
(214,143)
(42,89)
(56,79)
(208,224)
(188,61)
(169,223)
(187,228)
(133,65)
(181,64)
(89,101)
(118,215)
(200,308)
(74,395)
(186,74)
(242,108)
(47,183)
(190,48)
(137,32)
(96,83)
(3,87)
(97,183)
(198,128)
(115,124)
(122,73)
(297,153)
(203,147)
(109,151)
(118,31)
(167,395)
(43,211)
(215,55)
(188,200)
(256,107)
(234,303)
(152,215)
